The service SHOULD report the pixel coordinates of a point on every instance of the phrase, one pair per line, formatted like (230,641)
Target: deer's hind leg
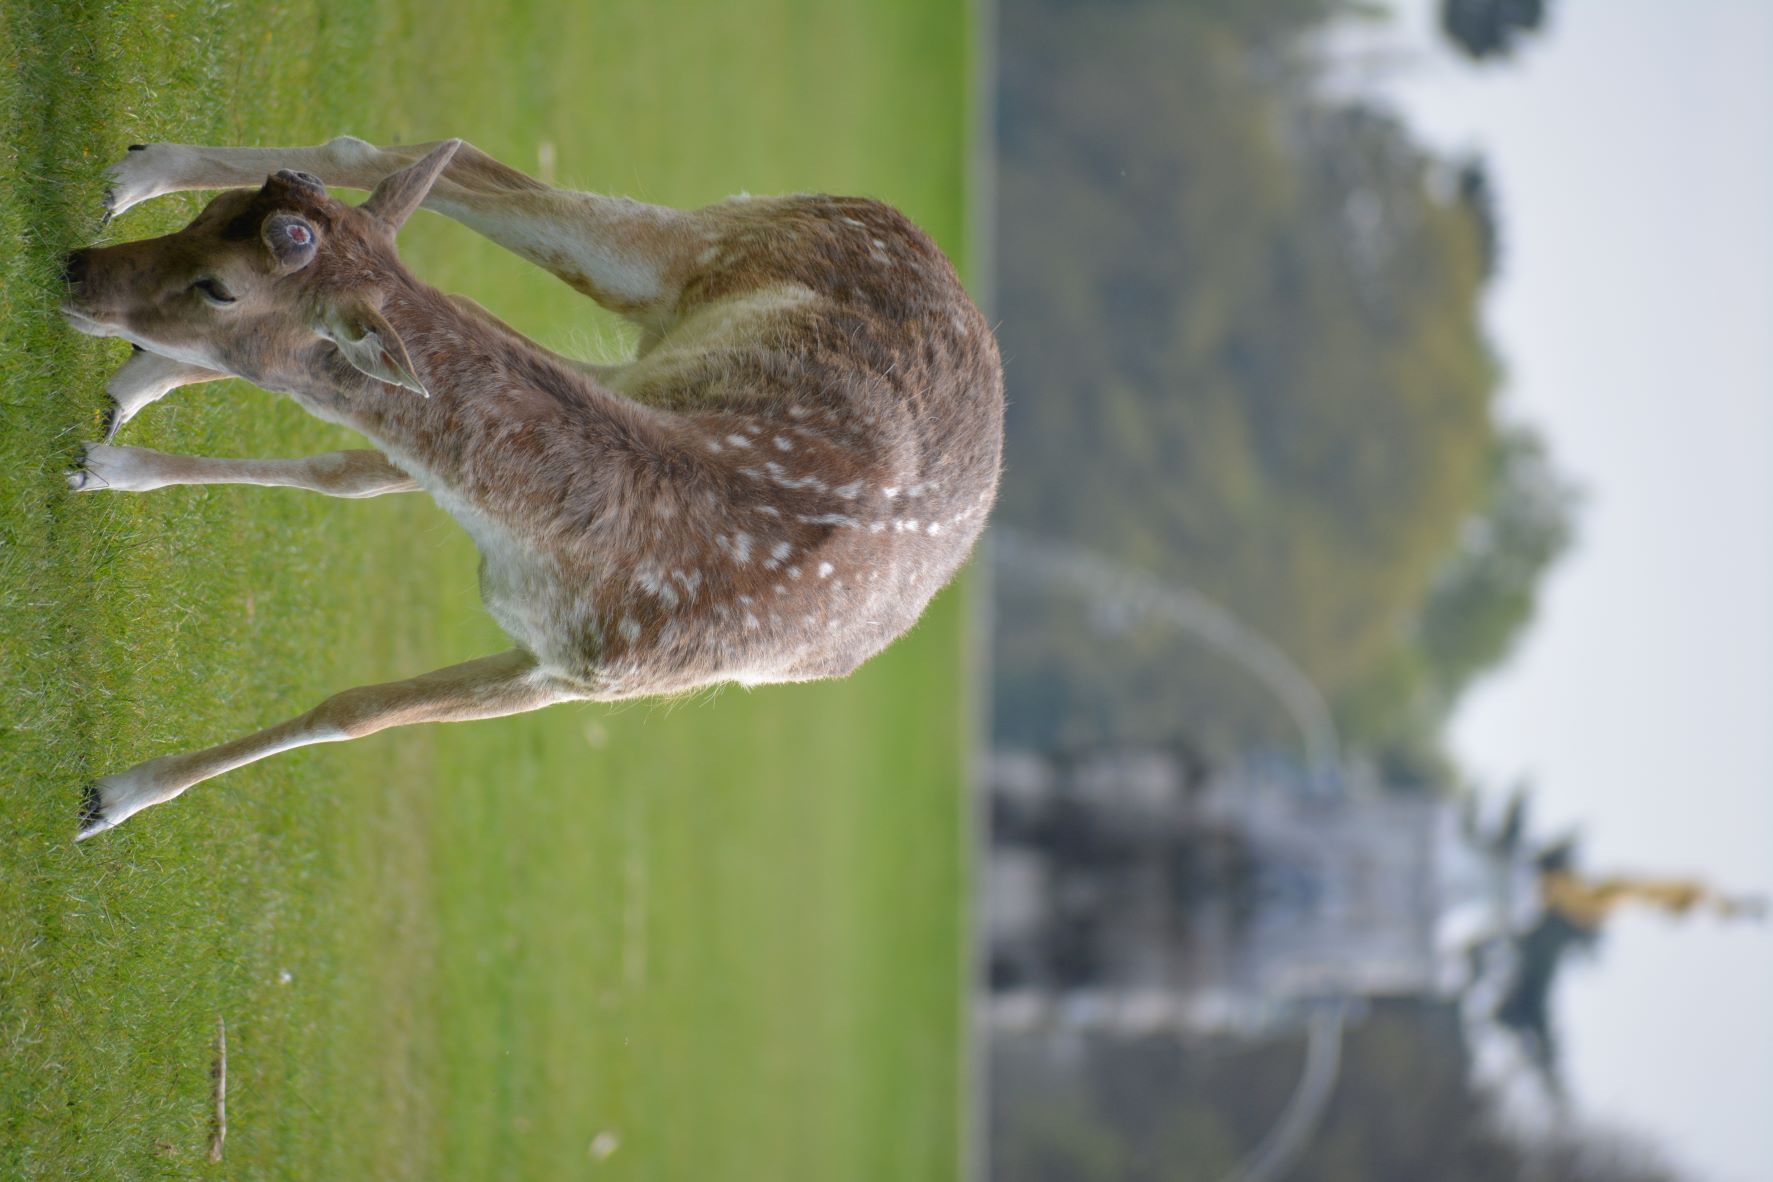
(510,683)
(629,256)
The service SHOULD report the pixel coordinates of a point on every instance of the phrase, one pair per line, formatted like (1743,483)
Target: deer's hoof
(141,174)
(120,469)
(80,477)
(92,814)
(111,800)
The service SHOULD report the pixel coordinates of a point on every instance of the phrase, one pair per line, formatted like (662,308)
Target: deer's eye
(213,291)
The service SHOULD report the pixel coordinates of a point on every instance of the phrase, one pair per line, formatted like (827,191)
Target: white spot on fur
(782,443)
(849,491)
(794,572)
(650,582)
(780,475)
(750,620)
(780,551)
(629,629)
(738,440)
(890,491)
(825,569)
(798,412)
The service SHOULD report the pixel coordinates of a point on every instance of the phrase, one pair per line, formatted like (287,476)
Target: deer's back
(814,453)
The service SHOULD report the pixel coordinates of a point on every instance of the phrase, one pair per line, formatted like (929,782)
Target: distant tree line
(1243,349)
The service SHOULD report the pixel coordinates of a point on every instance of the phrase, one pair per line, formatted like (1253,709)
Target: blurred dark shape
(1132,889)
(1141,1110)
(1479,197)
(1241,330)
(1514,822)
(1559,856)
(1525,1010)
(1490,28)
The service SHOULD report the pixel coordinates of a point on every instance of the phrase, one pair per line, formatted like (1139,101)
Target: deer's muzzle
(74,270)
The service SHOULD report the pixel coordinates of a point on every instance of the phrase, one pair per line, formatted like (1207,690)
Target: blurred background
(1379,749)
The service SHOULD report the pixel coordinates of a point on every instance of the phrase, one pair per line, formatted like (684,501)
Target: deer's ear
(291,240)
(395,199)
(366,339)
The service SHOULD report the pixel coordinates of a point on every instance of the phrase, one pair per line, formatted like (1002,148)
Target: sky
(1631,144)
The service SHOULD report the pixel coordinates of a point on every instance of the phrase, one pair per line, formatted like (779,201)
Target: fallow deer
(801,454)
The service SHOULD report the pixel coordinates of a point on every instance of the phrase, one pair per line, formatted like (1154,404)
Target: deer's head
(266,284)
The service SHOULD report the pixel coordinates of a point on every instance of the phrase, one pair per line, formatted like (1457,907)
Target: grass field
(728,934)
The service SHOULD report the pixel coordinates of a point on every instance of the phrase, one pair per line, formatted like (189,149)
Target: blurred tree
(1241,334)
(1490,28)
(1477,609)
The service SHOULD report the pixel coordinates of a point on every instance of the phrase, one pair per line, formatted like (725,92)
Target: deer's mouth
(82,321)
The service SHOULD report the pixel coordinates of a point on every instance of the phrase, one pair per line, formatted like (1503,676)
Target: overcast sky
(1632,148)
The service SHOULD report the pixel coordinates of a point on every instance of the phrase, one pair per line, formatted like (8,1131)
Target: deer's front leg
(148,377)
(152,170)
(359,473)
(509,683)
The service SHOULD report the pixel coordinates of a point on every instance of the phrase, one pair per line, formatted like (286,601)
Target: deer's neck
(487,387)
(463,359)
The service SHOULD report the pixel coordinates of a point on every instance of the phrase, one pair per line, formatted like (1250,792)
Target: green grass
(729,933)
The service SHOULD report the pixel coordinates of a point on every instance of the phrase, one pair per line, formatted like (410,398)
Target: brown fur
(802,455)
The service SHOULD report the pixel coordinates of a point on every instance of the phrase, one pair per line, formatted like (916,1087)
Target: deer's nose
(74,268)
